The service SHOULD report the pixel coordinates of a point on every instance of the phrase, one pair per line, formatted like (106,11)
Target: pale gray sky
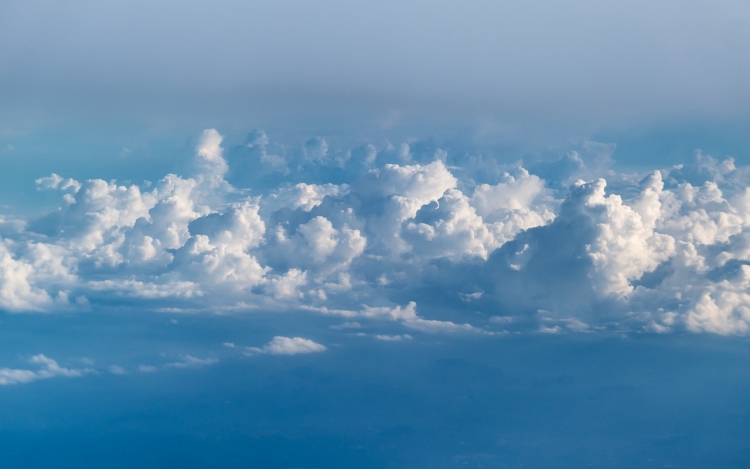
(615,63)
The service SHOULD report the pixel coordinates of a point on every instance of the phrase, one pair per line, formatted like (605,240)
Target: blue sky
(404,234)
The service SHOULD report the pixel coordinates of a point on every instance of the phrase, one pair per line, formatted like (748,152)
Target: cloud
(316,246)
(393,338)
(406,315)
(455,225)
(24,267)
(117,370)
(48,368)
(370,232)
(287,346)
(188,361)
(347,325)
(302,196)
(210,154)
(54,181)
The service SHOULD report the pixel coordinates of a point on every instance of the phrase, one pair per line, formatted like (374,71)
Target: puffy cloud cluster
(665,257)
(392,228)
(34,276)
(455,226)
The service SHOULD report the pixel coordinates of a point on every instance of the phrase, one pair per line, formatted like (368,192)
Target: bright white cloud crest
(672,251)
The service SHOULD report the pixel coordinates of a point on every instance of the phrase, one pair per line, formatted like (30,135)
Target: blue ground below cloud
(446,402)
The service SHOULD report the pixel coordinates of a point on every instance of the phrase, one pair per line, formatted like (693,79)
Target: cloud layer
(405,233)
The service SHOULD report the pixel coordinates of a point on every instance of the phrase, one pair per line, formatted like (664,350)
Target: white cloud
(147,290)
(287,346)
(48,368)
(33,276)
(502,319)
(406,315)
(399,192)
(449,227)
(287,286)
(54,181)
(393,338)
(455,225)
(211,154)
(399,224)
(189,361)
(433,326)
(302,196)
(317,246)
(347,325)
(217,253)
(625,245)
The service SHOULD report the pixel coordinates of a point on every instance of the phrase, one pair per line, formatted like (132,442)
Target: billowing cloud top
(388,234)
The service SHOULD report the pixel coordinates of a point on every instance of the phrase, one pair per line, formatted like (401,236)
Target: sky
(404,234)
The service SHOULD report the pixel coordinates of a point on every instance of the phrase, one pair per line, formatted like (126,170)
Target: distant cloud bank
(428,240)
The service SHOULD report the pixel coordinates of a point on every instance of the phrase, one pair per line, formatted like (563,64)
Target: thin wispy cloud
(47,368)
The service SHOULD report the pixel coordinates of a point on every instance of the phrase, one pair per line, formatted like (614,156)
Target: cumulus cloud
(302,196)
(287,346)
(318,228)
(25,267)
